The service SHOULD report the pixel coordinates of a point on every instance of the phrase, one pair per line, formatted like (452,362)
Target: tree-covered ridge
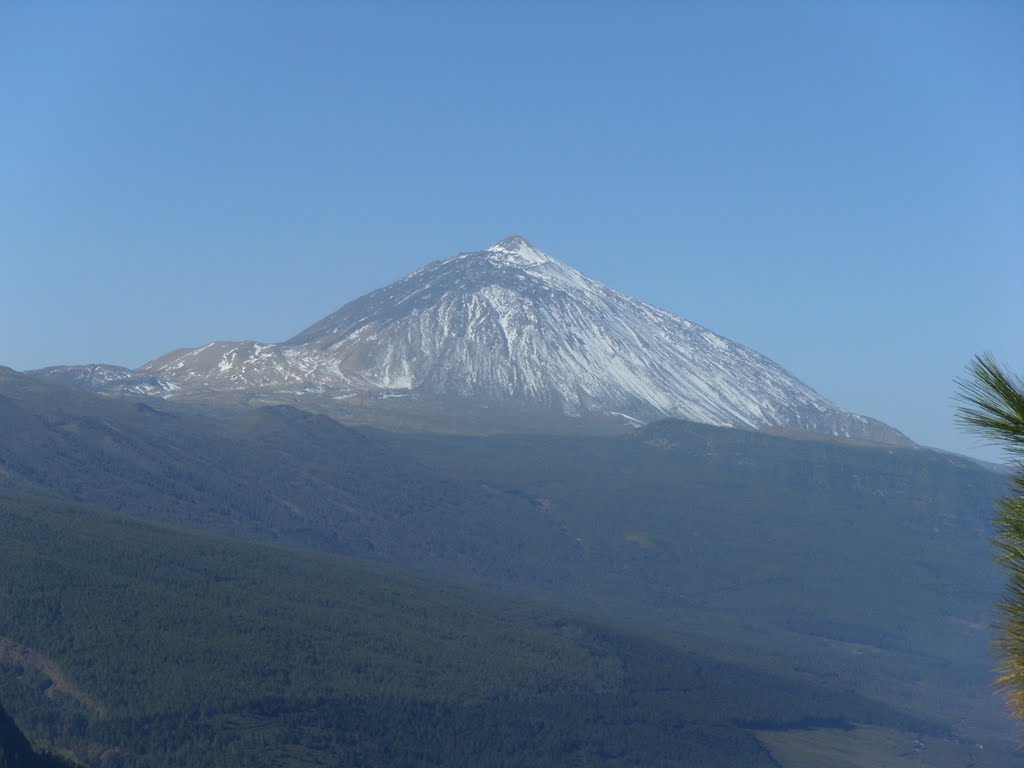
(198,646)
(837,566)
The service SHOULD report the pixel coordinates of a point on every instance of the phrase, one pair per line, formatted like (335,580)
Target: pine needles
(993,406)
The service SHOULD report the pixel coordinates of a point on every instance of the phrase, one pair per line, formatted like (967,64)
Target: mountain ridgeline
(781,585)
(507,333)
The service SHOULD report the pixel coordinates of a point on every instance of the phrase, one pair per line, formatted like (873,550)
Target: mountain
(830,572)
(98,377)
(508,328)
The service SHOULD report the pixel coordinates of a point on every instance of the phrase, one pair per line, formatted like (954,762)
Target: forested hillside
(849,570)
(17,752)
(149,647)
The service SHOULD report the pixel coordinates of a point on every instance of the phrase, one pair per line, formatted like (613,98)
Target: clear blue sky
(839,185)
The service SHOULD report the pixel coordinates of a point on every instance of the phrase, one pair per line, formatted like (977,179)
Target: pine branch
(993,403)
(994,407)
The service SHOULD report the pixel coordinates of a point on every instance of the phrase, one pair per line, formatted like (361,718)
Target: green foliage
(869,565)
(994,407)
(16,752)
(828,567)
(191,646)
(994,403)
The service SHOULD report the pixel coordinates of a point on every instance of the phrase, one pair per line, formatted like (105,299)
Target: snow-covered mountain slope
(512,326)
(108,379)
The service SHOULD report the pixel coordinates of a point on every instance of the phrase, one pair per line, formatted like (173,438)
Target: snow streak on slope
(512,325)
(107,379)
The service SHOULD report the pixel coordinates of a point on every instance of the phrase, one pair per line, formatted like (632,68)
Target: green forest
(182,646)
(269,587)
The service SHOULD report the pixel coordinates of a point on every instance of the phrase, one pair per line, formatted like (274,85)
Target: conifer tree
(993,406)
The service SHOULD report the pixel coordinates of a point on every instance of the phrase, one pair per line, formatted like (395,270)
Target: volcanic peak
(517,251)
(505,329)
